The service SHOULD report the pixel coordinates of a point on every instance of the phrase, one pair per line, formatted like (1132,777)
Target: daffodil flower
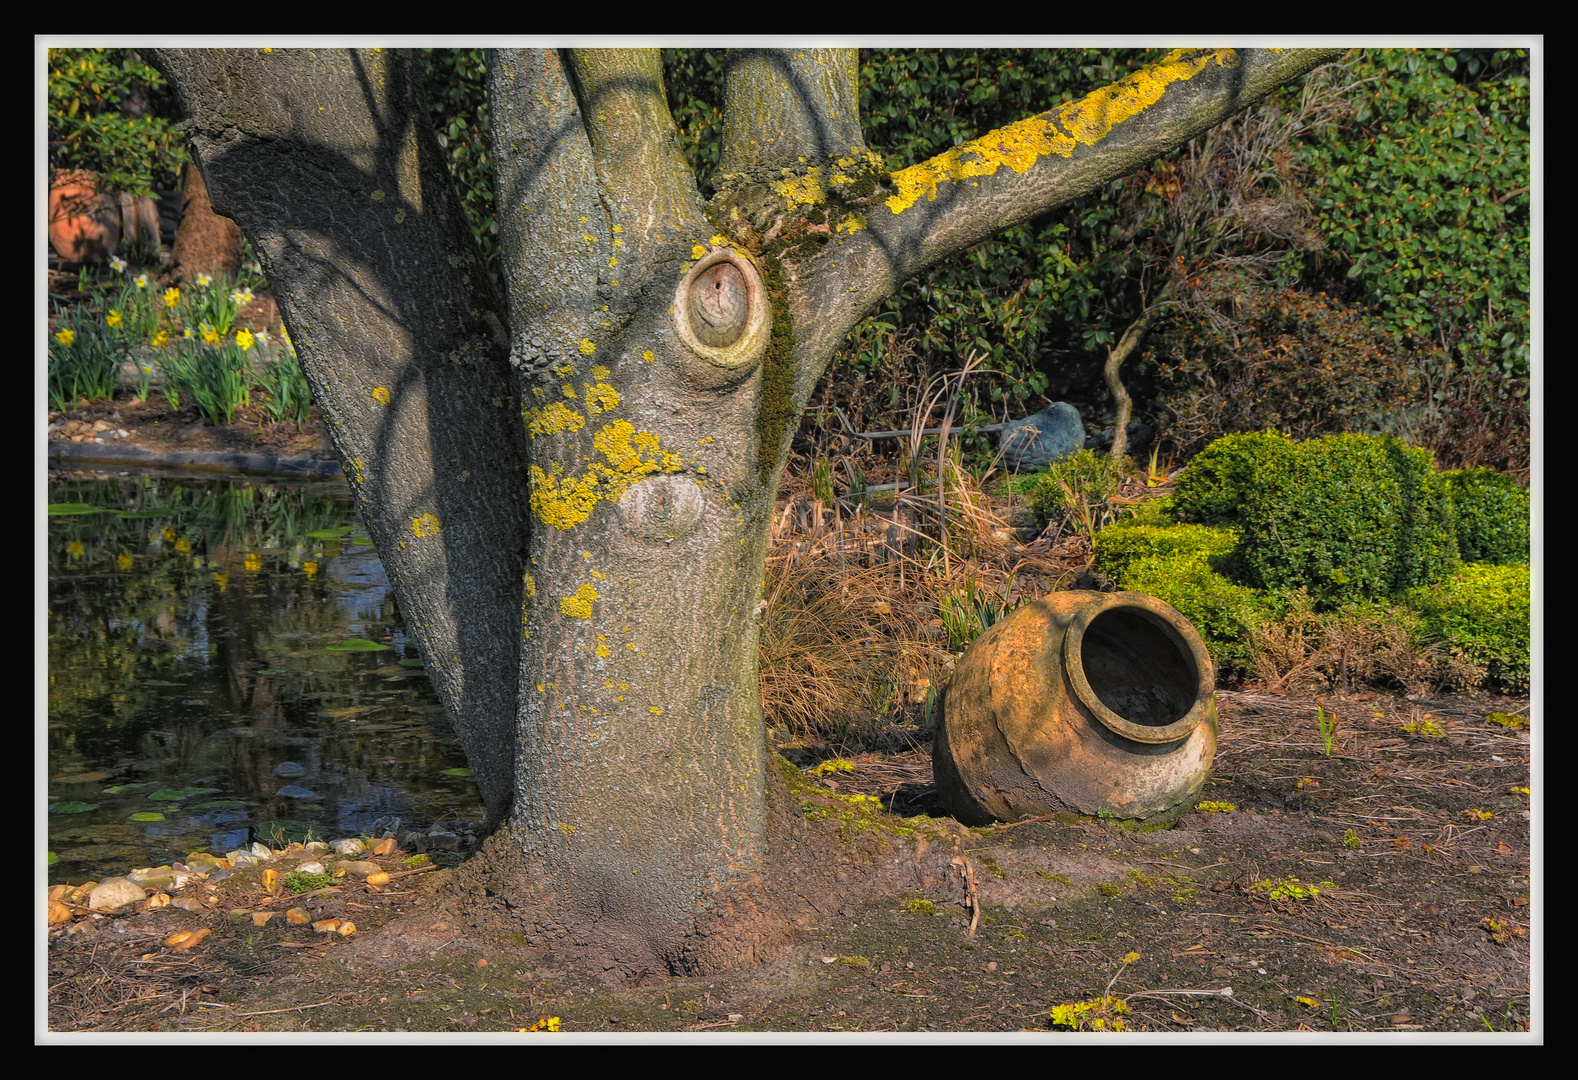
(262,336)
(242,296)
(159,340)
(66,336)
(113,318)
(142,281)
(204,281)
(210,335)
(187,333)
(245,339)
(172,297)
(117,264)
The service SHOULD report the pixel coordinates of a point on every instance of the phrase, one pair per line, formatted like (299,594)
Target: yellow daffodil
(245,339)
(160,339)
(74,549)
(310,568)
(187,333)
(210,335)
(117,264)
(66,335)
(172,297)
(113,318)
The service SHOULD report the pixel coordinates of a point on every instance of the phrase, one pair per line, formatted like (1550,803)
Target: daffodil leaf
(64,509)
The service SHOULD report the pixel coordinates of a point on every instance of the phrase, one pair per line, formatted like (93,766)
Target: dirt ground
(1384,886)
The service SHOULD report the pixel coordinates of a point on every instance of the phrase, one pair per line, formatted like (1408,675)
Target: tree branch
(645,179)
(326,161)
(944,205)
(788,108)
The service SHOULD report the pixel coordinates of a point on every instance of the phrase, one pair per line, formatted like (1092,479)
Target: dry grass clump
(1354,647)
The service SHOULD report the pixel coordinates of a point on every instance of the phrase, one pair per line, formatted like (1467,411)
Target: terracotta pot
(84,225)
(1097,703)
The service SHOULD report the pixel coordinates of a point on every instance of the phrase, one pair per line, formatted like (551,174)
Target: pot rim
(1167,618)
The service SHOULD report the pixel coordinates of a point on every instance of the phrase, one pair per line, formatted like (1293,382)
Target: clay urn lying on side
(1096,703)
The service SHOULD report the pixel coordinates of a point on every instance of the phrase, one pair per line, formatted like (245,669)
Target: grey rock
(261,852)
(1042,438)
(352,846)
(311,866)
(291,791)
(115,892)
(288,768)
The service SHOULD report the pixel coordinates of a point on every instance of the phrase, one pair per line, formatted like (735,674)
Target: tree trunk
(592,531)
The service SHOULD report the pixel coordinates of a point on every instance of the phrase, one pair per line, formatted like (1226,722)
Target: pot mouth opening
(1137,672)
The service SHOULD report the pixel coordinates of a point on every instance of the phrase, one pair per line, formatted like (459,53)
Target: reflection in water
(194,628)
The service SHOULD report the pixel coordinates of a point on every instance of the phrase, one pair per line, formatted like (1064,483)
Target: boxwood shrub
(1346,517)
(1492,516)
(1482,610)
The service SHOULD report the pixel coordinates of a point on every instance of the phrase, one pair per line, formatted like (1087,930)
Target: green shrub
(1483,611)
(1492,516)
(1078,489)
(103,110)
(1223,613)
(1346,517)
(1121,545)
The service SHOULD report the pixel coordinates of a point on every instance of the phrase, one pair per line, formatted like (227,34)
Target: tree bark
(663,348)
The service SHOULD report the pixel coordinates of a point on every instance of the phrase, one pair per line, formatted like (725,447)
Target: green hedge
(1225,614)
(1492,516)
(1484,611)
(1346,517)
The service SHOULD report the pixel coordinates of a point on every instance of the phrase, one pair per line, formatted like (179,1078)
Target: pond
(225,655)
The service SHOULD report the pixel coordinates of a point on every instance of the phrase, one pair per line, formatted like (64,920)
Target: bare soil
(1381,887)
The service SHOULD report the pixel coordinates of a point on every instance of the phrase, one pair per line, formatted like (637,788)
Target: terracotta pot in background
(84,225)
(205,243)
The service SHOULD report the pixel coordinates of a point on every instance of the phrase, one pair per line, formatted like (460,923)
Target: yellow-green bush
(1492,516)
(1483,610)
(1345,517)
(1118,546)
(1077,489)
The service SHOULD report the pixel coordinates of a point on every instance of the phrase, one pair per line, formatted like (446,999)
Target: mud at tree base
(1423,925)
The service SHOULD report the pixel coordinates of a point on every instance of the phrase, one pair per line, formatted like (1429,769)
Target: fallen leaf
(271,881)
(156,901)
(323,926)
(1503,850)
(1519,901)
(380,878)
(346,928)
(1311,1002)
(385,846)
(193,939)
(177,937)
(298,916)
(261,918)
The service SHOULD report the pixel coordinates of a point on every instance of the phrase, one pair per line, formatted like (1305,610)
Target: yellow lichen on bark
(579,604)
(1060,131)
(552,419)
(426,525)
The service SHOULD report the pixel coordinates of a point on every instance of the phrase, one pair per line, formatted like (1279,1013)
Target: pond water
(225,655)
